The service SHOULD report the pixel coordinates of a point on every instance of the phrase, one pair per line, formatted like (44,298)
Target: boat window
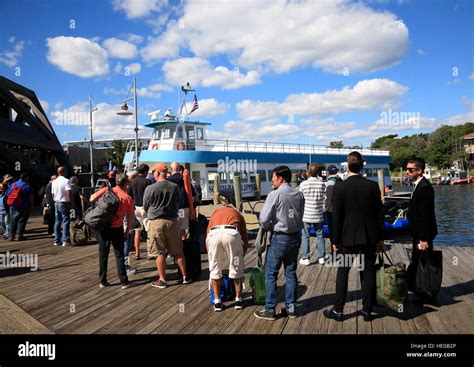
(270,174)
(179,132)
(368,172)
(191,134)
(166,133)
(199,133)
(386,172)
(157,134)
(223,177)
(196,175)
(263,176)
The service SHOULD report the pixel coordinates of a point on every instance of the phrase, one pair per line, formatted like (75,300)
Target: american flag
(195,105)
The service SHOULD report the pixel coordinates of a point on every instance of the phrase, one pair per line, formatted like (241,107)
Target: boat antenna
(185,89)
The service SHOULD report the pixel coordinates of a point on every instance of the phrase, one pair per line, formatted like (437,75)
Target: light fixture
(124,110)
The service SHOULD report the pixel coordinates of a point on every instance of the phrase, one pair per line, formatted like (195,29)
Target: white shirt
(314,191)
(416,183)
(59,189)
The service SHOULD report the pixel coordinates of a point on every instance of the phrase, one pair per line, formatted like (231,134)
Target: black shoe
(218,307)
(11,238)
(265,314)
(22,238)
(291,314)
(331,314)
(367,315)
(238,305)
(186,280)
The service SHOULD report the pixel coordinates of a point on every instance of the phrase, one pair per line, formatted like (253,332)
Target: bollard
(216,189)
(258,186)
(294,180)
(381,181)
(237,191)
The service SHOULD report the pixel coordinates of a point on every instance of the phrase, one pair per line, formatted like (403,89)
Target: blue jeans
(318,227)
(62,216)
(3,224)
(129,243)
(283,249)
(18,220)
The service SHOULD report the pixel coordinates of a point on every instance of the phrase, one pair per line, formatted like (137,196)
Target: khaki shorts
(140,213)
(225,243)
(183,218)
(163,238)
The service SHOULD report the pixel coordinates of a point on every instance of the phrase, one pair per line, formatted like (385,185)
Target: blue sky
(263,70)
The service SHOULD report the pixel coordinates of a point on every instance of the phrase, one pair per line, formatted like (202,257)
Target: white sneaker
(305,262)
(321,260)
(131,271)
(65,244)
(57,244)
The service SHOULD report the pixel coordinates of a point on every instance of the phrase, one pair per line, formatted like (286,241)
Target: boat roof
(163,122)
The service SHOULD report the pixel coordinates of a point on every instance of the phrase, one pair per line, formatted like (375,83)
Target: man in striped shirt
(313,190)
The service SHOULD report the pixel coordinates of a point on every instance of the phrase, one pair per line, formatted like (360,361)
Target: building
(28,142)
(468,143)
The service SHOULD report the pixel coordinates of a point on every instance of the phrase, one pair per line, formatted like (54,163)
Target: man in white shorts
(227,233)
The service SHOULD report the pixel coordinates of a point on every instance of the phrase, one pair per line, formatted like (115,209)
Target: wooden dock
(63,297)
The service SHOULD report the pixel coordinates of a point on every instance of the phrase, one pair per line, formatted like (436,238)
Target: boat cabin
(170,133)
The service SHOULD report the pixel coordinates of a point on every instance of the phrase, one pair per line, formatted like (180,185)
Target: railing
(268,147)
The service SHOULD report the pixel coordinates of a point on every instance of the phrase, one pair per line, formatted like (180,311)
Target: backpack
(227,291)
(78,233)
(99,216)
(14,199)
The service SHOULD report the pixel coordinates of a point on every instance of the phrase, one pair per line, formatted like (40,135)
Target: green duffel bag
(257,284)
(391,280)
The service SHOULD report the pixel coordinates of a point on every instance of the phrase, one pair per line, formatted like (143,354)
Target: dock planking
(63,297)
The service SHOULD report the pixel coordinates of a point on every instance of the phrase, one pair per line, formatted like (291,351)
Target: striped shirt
(313,190)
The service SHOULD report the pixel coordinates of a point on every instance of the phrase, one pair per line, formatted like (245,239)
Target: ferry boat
(177,138)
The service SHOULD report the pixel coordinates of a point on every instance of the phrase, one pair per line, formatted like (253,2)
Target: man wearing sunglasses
(421,216)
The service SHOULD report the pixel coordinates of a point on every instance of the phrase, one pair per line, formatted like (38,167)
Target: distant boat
(459,177)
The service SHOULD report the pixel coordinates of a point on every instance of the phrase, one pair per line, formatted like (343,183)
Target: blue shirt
(25,193)
(283,210)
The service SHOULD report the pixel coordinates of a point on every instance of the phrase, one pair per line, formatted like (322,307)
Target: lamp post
(125,112)
(91,141)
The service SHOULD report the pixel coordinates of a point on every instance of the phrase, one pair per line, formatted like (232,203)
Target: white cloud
(463,117)
(11,57)
(209,108)
(365,95)
(200,72)
(471,76)
(421,52)
(315,127)
(138,8)
(144,92)
(134,38)
(280,36)
(118,67)
(133,69)
(78,56)
(106,123)
(261,132)
(120,49)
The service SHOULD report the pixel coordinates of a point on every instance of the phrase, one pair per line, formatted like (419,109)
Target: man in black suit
(358,229)
(421,216)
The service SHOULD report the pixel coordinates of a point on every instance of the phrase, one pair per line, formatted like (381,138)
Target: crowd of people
(160,202)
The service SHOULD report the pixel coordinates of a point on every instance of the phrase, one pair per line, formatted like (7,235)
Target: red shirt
(126,205)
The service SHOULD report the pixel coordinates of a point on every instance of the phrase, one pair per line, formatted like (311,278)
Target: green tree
(336,144)
(116,153)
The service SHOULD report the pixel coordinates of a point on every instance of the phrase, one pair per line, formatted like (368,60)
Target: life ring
(154,146)
(180,145)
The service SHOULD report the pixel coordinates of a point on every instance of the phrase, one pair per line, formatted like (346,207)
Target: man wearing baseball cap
(161,204)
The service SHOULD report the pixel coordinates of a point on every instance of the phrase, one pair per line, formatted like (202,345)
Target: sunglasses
(409,169)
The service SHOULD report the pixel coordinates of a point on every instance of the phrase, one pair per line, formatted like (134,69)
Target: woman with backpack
(114,234)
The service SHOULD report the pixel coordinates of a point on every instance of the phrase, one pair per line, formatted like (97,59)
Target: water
(454,214)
